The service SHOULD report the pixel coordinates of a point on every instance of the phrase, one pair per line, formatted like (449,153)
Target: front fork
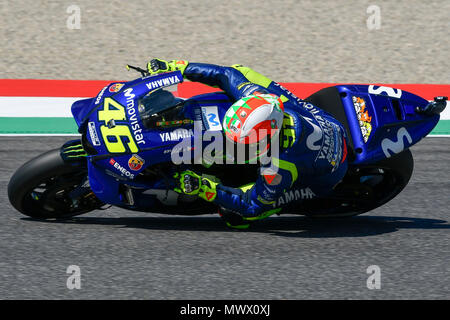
(72,152)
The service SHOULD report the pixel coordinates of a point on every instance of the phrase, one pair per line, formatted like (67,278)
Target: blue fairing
(395,125)
(80,109)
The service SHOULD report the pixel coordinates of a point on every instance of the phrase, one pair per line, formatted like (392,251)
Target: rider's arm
(236,81)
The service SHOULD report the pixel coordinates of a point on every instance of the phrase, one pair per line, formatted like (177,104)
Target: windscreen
(158,106)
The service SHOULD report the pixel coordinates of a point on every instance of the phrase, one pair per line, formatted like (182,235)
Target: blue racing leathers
(312,155)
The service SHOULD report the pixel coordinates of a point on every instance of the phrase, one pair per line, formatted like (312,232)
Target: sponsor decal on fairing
(122,170)
(211,118)
(93,134)
(365,121)
(396,146)
(115,87)
(155,84)
(100,95)
(135,163)
(176,135)
(132,116)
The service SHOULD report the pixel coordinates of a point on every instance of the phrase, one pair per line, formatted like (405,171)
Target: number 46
(113,136)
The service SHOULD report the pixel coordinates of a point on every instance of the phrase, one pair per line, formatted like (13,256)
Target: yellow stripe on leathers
(256,78)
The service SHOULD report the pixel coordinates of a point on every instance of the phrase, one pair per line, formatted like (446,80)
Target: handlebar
(143,72)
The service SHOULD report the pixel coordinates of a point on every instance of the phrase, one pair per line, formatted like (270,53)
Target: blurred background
(288,40)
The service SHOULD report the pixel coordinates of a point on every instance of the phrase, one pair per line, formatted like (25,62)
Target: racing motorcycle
(130,131)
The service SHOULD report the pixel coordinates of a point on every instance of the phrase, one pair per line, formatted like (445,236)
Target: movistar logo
(313,137)
(397,146)
(132,115)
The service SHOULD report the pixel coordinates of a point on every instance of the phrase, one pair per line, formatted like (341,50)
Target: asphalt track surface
(128,255)
(144,256)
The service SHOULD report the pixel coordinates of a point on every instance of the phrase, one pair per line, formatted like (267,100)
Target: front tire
(40,188)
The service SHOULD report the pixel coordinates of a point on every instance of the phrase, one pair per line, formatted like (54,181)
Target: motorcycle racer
(312,144)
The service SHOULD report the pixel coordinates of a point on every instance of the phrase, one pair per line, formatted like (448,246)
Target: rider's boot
(233,220)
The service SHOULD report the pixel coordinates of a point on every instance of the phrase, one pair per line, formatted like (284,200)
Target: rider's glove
(191,183)
(156,66)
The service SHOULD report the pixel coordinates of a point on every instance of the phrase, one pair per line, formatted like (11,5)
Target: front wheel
(43,188)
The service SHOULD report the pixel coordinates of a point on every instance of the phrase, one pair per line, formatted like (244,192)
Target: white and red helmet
(253,118)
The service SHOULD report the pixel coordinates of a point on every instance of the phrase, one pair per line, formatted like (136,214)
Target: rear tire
(397,171)
(40,187)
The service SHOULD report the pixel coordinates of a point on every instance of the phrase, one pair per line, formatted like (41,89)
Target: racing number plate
(113,136)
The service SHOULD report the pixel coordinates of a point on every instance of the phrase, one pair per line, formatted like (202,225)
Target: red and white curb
(42,107)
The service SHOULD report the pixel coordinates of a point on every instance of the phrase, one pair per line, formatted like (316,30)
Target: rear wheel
(42,187)
(365,188)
